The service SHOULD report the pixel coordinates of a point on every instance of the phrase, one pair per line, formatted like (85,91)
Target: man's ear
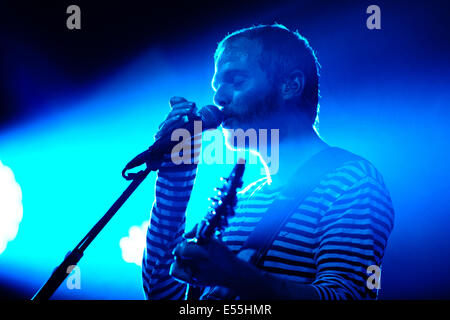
(293,85)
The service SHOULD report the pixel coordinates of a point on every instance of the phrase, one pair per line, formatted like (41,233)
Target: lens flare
(11,210)
(133,246)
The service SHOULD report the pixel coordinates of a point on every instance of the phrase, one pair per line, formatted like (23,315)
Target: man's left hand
(206,264)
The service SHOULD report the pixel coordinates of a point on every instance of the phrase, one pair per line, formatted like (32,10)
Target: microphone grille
(211,117)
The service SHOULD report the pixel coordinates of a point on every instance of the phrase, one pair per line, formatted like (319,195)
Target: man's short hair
(283,51)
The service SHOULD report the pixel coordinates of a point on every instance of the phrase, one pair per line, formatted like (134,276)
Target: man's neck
(293,152)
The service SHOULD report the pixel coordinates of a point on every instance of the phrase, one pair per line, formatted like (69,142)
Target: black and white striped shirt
(337,232)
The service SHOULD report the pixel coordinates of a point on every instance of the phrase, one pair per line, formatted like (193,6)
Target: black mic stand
(74,256)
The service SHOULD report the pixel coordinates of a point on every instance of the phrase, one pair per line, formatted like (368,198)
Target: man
(266,77)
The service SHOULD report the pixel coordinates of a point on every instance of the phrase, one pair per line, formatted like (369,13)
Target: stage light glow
(11,210)
(242,152)
(133,246)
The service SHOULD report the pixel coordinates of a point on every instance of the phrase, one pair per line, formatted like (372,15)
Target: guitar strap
(304,180)
(301,184)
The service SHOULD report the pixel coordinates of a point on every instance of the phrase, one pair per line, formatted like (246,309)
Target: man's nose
(222,97)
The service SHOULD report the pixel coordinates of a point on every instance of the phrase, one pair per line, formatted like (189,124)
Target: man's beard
(258,115)
(261,115)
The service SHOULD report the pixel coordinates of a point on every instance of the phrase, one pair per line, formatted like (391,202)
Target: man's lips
(227,116)
(227,122)
(231,119)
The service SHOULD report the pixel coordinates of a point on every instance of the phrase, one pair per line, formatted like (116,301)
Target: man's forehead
(238,51)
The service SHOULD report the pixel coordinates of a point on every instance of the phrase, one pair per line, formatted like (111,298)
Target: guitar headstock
(222,205)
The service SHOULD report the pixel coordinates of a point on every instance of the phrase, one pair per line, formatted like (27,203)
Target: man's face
(243,89)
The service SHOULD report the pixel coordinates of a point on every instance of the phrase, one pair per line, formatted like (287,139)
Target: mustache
(228,114)
(244,113)
(261,106)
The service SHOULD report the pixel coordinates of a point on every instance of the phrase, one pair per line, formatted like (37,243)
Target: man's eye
(238,81)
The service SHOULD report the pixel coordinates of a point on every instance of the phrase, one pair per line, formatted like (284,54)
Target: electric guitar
(212,225)
(221,208)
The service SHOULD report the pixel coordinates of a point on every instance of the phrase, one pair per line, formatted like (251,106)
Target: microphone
(211,118)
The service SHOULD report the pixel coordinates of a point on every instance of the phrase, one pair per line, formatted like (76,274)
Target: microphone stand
(73,257)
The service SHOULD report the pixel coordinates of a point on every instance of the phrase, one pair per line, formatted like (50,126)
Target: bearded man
(267,77)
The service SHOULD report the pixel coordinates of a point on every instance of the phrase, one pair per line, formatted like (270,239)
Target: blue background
(78,105)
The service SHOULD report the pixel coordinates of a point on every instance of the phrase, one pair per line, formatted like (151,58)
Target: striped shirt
(336,233)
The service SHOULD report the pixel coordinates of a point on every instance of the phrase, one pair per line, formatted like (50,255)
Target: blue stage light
(11,210)
(133,245)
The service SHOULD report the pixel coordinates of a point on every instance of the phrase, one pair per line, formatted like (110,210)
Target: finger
(169,123)
(174,100)
(191,234)
(180,111)
(179,249)
(180,271)
(190,251)
(176,122)
(195,252)
(181,105)
(168,118)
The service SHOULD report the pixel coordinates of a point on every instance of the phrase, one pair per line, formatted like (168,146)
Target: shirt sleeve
(174,185)
(353,235)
